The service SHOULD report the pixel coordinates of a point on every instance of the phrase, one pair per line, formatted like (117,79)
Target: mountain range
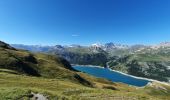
(94,48)
(150,61)
(29,75)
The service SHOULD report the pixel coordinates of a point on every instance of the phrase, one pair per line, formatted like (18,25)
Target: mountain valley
(138,60)
(23,73)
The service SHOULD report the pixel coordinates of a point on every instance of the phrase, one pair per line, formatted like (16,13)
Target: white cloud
(75,35)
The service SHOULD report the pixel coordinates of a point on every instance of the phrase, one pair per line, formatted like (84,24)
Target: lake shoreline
(142,78)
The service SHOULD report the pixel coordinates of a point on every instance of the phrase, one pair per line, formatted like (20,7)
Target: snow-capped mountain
(97,54)
(97,45)
(161,45)
(109,46)
(95,48)
(164,44)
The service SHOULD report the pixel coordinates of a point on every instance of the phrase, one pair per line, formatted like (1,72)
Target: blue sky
(51,22)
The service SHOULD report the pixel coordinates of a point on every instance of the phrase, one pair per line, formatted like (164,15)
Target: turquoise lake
(111,75)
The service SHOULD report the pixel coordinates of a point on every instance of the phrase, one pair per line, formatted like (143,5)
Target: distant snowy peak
(98,45)
(164,44)
(109,46)
(161,45)
(96,48)
(115,46)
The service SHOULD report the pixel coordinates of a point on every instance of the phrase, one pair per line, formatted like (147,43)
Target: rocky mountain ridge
(105,47)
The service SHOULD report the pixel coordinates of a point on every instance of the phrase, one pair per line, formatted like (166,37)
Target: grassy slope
(22,72)
(14,86)
(41,65)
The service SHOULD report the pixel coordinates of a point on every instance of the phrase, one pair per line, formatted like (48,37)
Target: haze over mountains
(109,49)
(105,47)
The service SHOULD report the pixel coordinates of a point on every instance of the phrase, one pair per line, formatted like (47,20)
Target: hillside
(38,64)
(24,75)
(151,62)
(21,87)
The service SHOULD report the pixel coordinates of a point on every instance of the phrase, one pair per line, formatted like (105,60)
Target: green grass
(14,86)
